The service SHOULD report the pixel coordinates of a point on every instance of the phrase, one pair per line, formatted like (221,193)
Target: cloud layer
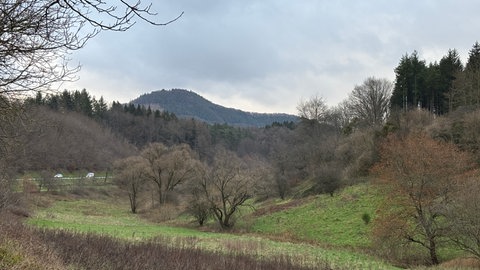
(265,56)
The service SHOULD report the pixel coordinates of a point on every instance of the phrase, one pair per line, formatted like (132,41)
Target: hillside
(188,104)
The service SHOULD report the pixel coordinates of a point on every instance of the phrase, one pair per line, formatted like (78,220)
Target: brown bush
(89,251)
(22,249)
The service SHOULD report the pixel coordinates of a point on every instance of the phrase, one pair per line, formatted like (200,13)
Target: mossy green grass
(334,220)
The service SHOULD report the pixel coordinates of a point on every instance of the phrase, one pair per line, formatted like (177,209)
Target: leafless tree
(198,205)
(131,177)
(7,197)
(370,101)
(341,118)
(313,109)
(226,186)
(168,167)
(464,218)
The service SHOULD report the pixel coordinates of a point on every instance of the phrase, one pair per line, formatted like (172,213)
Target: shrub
(101,252)
(366,218)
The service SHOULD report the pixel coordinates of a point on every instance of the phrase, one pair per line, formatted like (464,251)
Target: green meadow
(323,230)
(333,220)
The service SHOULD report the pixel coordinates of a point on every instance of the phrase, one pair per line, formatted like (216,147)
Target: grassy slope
(336,221)
(105,217)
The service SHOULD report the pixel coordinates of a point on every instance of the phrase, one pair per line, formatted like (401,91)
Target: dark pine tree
(472,76)
(451,68)
(410,83)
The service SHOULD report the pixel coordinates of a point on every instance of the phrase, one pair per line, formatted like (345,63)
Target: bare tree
(464,218)
(198,206)
(226,186)
(168,167)
(370,101)
(313,109)
(419,175)
(7,197)
(341,118)
(131,177)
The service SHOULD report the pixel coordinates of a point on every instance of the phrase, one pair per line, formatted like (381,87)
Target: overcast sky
(266,56)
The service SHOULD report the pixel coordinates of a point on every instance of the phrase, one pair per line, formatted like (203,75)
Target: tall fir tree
(472,76)
(67,101)
(99,108)
(409,83)
(451,69)
(431,96)
(473,63)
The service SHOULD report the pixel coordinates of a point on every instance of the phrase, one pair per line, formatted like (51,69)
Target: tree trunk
(226,222)
(133,203)
(433,252)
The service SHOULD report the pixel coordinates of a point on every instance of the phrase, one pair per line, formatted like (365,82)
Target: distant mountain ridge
(188,104)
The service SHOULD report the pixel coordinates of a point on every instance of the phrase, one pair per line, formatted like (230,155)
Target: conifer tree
(450,69)
(409,82)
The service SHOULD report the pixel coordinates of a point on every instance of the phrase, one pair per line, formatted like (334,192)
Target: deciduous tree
(419,175)
(131,177)
(227,185)
(463,216)
(313,109)
(370,101)
(169,167)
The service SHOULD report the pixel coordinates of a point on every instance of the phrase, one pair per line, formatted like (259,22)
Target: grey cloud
(274,52)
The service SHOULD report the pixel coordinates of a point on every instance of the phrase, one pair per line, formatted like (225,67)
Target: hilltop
(188,104)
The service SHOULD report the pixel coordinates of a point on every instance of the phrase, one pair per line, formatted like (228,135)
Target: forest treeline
(440,87)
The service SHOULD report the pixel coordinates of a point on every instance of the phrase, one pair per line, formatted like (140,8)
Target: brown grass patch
(270,209)
(462,263)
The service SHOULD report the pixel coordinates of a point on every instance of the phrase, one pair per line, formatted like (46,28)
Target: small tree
(313,109)
(168,167)
(131,177)
(198,206)
(327,178)
(7,196)
(46,181)
(226,186)
(464,219)
(419,175)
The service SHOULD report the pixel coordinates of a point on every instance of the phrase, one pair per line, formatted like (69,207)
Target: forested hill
(184,103)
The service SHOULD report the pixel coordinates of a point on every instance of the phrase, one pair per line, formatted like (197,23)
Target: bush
(101,252)
(20,248)
(366,218)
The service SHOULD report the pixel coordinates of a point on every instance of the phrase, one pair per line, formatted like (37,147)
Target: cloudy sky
(266,56)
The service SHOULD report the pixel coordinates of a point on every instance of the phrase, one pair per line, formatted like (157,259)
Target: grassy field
(318,230)
(336,221)
(112,218)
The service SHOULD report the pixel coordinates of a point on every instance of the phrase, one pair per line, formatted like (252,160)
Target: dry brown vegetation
(90,251)
(22,247)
